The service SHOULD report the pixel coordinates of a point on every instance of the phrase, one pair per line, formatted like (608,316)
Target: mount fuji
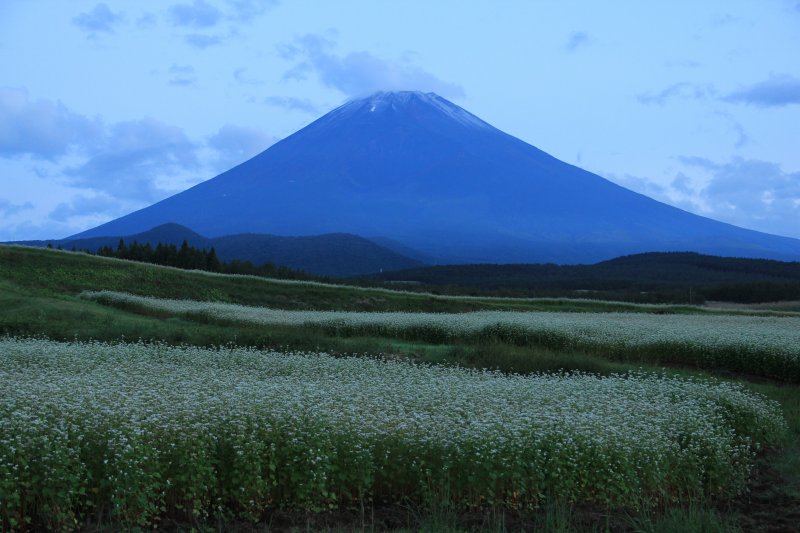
(416,170)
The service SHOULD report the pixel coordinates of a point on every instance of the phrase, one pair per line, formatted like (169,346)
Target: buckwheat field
(140,430)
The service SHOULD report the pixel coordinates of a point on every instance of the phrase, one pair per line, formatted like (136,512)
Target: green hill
(39,290)
(655,277)
(333,254)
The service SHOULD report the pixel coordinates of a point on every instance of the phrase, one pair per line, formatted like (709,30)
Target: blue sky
(108,107)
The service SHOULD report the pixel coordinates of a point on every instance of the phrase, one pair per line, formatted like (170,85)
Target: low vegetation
(757,345)
(140,431)
(47,273)
(606,401)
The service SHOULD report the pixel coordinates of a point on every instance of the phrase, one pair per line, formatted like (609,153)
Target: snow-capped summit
(425,173)
(425,108)
(409,102)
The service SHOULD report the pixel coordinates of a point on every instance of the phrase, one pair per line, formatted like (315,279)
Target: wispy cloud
(697,161)
(133,156)
(682,90)
(639,184)
(236,144)
(359,73)
(247,10)
(751,193)
(682,184)
(291,103)
(83,205)
(8,208)
(199,14)
(742,138)
(201,41)
(682,63)
(42,128)
(147,20)
(99,19)
(241,76)
(182,75)
(778,91)
(576,40)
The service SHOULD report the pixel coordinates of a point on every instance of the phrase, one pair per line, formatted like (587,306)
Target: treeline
(753,292)
(191,258)
(668,277)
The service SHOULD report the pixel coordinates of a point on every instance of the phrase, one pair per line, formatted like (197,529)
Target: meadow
(137,396)
(766,346)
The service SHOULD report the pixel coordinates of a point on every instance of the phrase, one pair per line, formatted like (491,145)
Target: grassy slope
(38,289)
(47,272)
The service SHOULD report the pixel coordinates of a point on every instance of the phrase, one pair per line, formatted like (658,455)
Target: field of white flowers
(762,345)
(139,432)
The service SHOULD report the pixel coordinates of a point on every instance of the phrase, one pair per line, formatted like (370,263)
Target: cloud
(182,75)
(682,184)
(199,14)
(639,184)
(291,103)
(778,91)
(697,161)
(201,41)
(682,63)
(359,73)
(236,144)
(43,228)
(240,75)
(8,208)
(82,206)
(682,90)
(247,10)
(100,19)
(577,39)
(41,128)
(751,193)
(741,135)
(132,158)
(724,19)
(147,20)
(103,170)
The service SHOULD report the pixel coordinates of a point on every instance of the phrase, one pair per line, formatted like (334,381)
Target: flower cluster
(762,345)
(139,432)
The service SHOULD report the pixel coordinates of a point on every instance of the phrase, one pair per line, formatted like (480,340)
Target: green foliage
(142,432)
(757,345)
(38,291)
(190,258)
(647,278)
(43,272)
(682,519)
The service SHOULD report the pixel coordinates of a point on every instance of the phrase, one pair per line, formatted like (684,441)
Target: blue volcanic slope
(421,171)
